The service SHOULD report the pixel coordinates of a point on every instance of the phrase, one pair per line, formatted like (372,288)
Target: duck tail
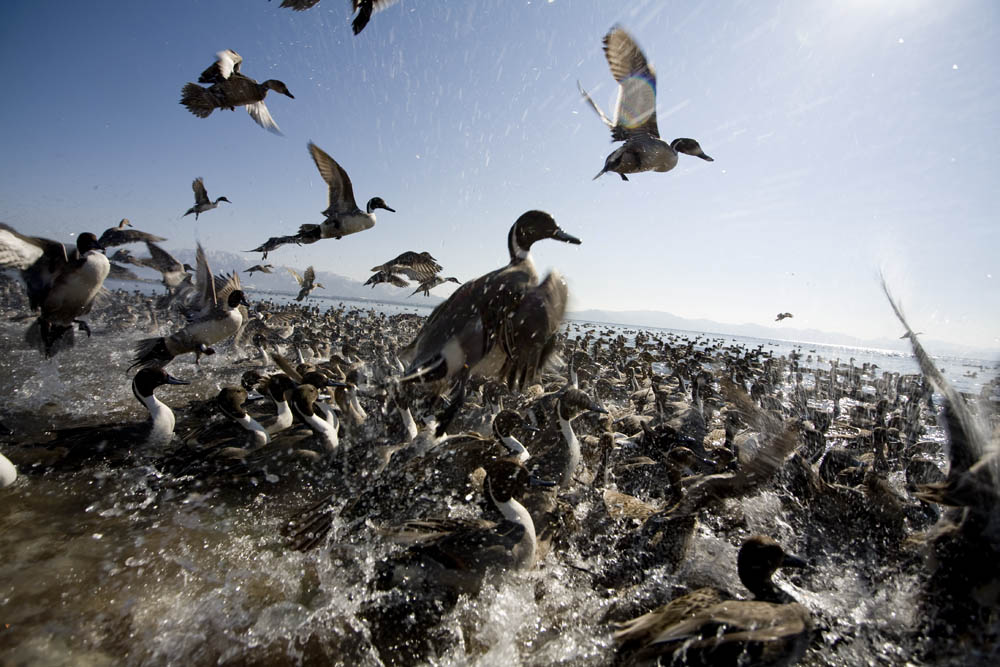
(151,352)
(309,234)
(198,100)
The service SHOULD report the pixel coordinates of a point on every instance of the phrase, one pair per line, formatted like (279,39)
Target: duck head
(692,147)
(759,557)
(237,298)
(507,479)
(278,87)
(534,226)
(148,379)
(378,202)
(86,242)
(230,400)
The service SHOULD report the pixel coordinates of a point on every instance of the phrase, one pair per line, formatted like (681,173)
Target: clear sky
(848,137)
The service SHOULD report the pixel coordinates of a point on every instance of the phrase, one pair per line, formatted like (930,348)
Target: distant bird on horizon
(307,282)
(635,113)
(364,8)
(62,283)
(231,89)
(783,316)
(201,201)
(433,282)
(263,268)
(911,334)
(343,216)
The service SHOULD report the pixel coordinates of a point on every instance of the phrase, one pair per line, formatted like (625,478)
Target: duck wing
(341,191)
(299,5)
(200,193)
(161,260)
(116,236)
(310,277)
(227,62)
(205,283)
(40,261)
(635,110)
(295,275)
(258,111)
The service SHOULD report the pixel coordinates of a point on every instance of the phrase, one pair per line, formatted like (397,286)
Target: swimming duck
(307,282)
(458,551)
(62,284)
(502,323)
(262,268)
(119,235)
(231,89)
(201,201)
(635,113)
(433,282)
(343,216)
(230,401)
(219,316)
(705,628)
(70,447)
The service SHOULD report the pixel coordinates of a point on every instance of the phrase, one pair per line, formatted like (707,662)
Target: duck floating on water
(635,113)
(231,89)
(343,216)
(62,284)
(201,201)
(502,323)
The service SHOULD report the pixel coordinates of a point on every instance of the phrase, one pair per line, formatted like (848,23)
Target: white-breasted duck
(62,283)
(8,472)
(72,447)
(502,323)
(220,314)
(231,89)
(201,201)
(307,282)
(705,628)
(230,401)
(635,113)
(456,552)
(343,216)
(433,282)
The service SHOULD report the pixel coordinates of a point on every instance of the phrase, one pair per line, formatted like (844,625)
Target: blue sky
(849,137)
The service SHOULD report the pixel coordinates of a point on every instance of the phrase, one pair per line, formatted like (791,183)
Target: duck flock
(491,444)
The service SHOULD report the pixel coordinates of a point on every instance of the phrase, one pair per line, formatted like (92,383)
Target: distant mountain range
(335,285)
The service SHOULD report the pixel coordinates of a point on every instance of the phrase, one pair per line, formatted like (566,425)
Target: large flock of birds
(582,441)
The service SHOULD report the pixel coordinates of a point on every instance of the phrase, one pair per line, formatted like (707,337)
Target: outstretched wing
(227,62)
(200,193)
(117,236)
(295,275)
(310,277)
(258,111)
(635,111)
(341,191)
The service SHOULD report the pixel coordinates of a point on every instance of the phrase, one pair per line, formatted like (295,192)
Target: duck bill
(388,209)
(335,383)
(538,481)
(172,380)
(560,235)
(793,561)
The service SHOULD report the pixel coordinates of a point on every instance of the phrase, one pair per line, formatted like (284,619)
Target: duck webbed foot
(624,177)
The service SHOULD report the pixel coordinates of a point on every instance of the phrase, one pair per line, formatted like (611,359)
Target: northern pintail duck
(174,272)
(231,89)
(364,8)
(343,216)
(502,323)
(307,282)
(120,235)
(635,113)
(71,447)
(62,284)
(433,282)
(218,317)
(380,277)
(414,265)
(201,201)
(456,552)
(705,628)
(230,401)
(262,268)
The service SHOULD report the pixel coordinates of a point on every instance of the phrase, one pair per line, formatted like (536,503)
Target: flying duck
(364,8)
(307,283)
(62,284)
(262,268)
(386,277)
(783,316)
(502,323)
(414,265)
(219,316)
(119,235)
(201,201)
(635,113)
(433,282)
(231,89)
(343,216)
